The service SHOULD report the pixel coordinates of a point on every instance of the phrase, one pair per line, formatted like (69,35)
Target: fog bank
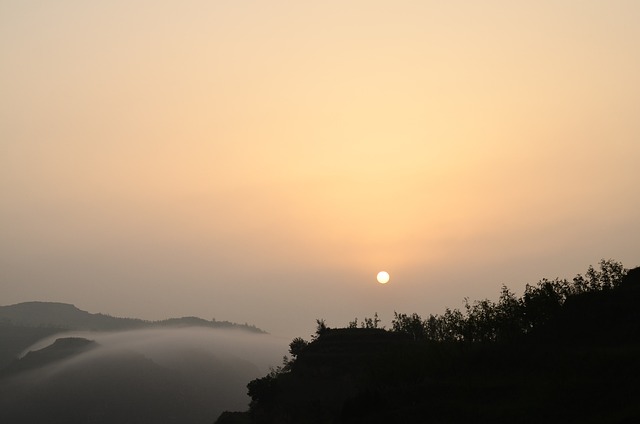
(186,375)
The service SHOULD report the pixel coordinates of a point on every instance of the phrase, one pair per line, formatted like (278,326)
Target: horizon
(262,163)
(384,323)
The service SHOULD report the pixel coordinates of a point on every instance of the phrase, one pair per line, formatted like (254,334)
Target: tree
(445,328)
(297,346)
(370,322)
(321,328)
(509,315)
(409,324)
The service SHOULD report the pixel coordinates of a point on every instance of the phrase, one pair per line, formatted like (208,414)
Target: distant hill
(63,316)
(68,317)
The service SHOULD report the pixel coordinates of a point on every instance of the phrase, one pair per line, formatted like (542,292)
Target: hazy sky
(261,161)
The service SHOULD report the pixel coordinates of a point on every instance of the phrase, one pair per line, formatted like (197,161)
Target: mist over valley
(171,374)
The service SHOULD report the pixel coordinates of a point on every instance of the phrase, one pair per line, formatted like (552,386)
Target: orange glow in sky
(236,158)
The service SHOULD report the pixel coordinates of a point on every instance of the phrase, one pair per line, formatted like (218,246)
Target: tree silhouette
(510,317)
(297,346)
(461,365)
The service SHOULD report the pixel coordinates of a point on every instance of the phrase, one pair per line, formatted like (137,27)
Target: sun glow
(383,277)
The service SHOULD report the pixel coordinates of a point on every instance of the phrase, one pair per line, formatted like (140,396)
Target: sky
(261,161)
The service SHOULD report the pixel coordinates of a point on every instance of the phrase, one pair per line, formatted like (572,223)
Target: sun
(383,277)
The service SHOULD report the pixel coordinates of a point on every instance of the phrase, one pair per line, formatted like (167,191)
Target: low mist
(186,375)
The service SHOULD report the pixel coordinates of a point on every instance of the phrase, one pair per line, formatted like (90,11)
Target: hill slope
(68,317)
(573,359)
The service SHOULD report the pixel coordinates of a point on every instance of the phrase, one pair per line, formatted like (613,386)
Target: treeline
(507,319)
(501,361)
(511,316)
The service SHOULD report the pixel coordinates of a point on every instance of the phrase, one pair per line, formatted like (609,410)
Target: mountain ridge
(66,316)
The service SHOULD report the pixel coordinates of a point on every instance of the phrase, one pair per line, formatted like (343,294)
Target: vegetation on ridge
(564,351)
(510,317)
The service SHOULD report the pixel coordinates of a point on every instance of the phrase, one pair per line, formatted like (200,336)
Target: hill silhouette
(69,317)
(564,352)
(61,349)
(62,315)
(14,339)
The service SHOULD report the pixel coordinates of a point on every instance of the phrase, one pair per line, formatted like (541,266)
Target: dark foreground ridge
(564,352)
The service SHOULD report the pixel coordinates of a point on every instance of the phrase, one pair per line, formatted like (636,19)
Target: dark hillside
(60,349)
(124,387)
(63,316)
(14,339)
(609,317)
(78,381)
(566,352)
